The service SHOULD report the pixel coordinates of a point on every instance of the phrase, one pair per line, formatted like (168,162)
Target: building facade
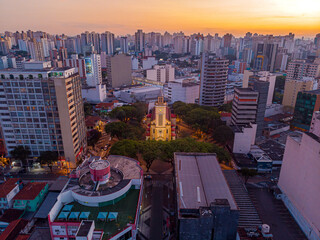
(291,89)
(161,73)
(161,123)
(213,80)
(185,91)
(31,196)
(42,109)
(244,106)
(307,103)
(299,182)
(119,70)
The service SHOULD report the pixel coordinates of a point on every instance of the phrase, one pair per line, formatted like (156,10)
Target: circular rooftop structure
(100,171)
(100,181)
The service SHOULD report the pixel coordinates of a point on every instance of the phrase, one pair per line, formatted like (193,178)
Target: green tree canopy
(223,134)
(116,129)
(164,150)
(93,137)
(247,173)
(21,153)
(48,157)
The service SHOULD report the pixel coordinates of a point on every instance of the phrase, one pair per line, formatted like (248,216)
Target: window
(21,77)
(11,76)
(30,76)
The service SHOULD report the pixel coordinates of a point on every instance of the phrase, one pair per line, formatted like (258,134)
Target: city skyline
(72,17)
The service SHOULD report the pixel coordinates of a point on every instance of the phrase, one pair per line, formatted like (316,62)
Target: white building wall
(300,183)
(149,62)
(95,94)
(243,140)
(315,123)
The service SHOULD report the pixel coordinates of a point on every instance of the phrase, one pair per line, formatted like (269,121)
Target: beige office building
(41,108)
(119,70)
(291,89)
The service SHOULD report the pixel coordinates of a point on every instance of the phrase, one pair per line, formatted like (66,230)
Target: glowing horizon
(121,17)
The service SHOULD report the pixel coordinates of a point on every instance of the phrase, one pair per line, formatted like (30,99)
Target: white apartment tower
(213,80)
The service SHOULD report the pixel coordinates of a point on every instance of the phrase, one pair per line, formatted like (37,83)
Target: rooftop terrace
(126,209)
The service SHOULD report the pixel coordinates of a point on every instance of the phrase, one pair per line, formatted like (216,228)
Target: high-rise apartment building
(213,80)
(41,108)
(262,87)
(107,43)
(244,106)
(139,41)
(124,44)
(298,69)
(307,103)
(265,76)
(119,70)
(93,70)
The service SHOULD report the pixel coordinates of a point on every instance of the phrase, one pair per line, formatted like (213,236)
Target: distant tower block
(100,171)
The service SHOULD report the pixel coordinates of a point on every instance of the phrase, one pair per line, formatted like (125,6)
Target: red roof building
(8,186)
(30,191)
(14,229)
(92,121)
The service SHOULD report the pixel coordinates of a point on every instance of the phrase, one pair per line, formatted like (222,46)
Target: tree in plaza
(247,173)
(93,137)
(48,157)
(21,153)
(116,129)
(88,109)
(121,115)
(223,134)
(125,148)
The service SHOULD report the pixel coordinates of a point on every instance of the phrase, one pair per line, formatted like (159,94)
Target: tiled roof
(7,187)
(92,120)
(23,237)
(11,215)
(13,229)
(30,191)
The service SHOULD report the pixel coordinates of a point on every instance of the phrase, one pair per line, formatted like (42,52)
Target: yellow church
(161,123)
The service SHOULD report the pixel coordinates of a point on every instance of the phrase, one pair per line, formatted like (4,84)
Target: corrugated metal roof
(200,181)
(47,204)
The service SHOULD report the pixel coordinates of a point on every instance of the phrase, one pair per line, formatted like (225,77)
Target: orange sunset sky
(71,17)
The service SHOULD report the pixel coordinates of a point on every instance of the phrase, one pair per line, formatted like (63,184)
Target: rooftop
(275,150)
(47,204)
(84,228)
(99,165)
(200,181)
(92,120)
(11,215)
(8,186)
(30,191)
(126,209)
(14,70)
(122,170)
(13,229)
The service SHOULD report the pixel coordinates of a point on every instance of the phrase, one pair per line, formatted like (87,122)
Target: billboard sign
(89,68)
